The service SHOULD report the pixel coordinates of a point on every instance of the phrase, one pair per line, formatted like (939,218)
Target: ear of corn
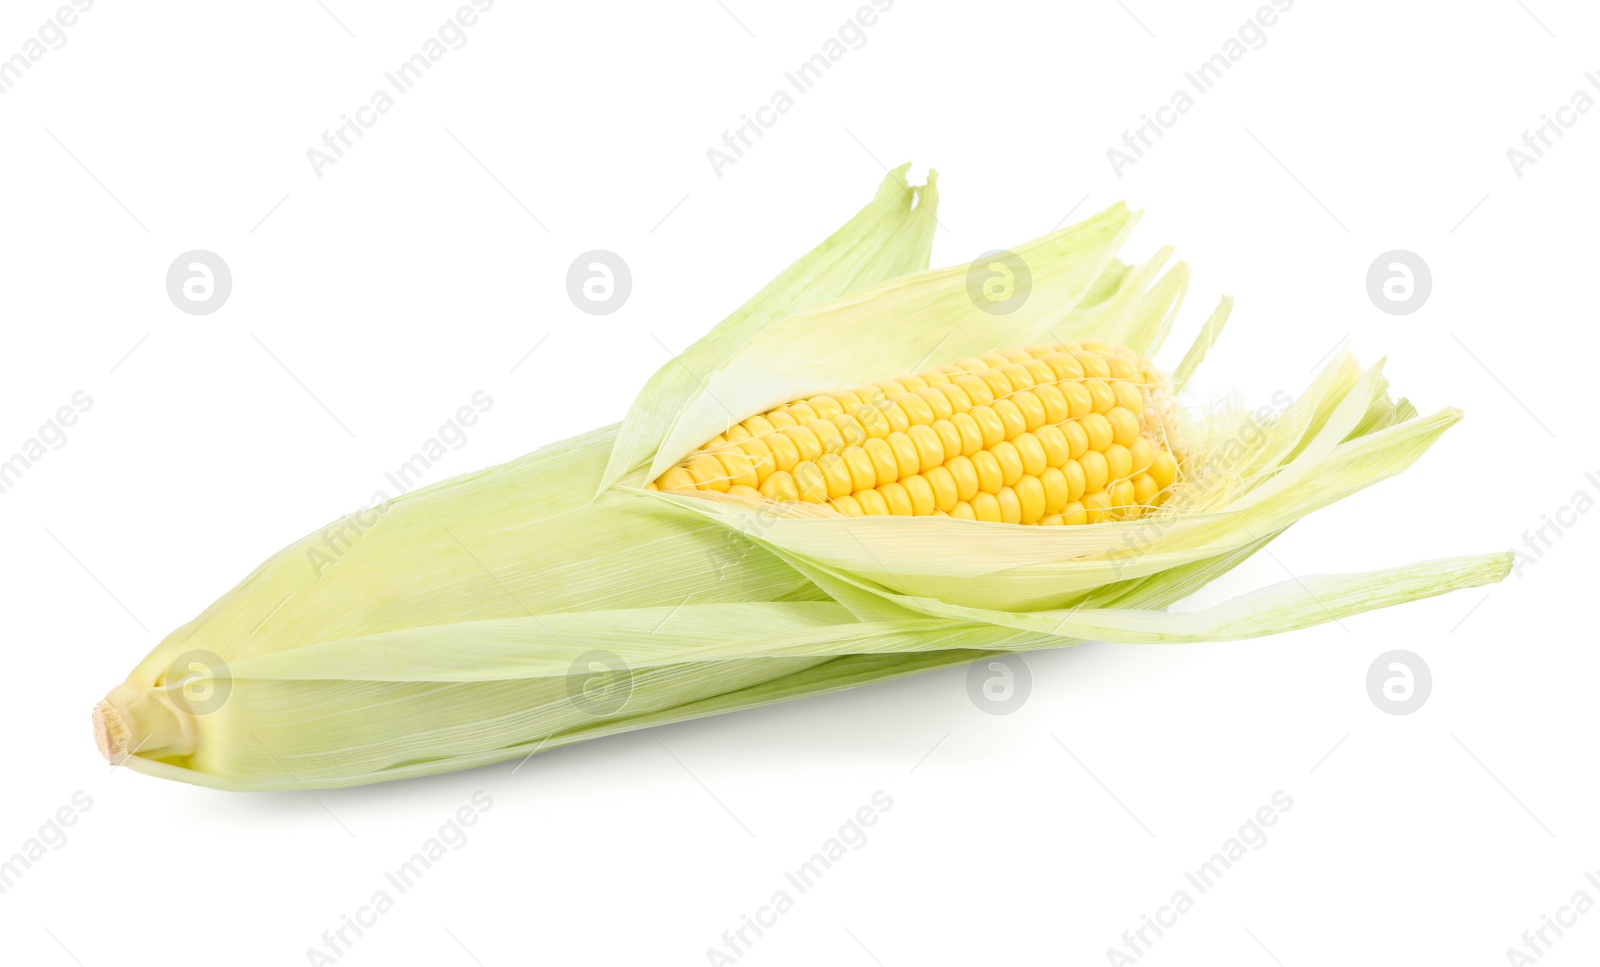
(689,557)
(1056,434)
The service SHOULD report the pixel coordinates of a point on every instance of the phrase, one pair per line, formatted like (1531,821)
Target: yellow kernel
(989,422)
(1005,454)
(1124,426)
(737,467)
(890,388)
(677,479)
(802,413)
(1074,513)
(886,467)
(759,426)
(930,449)
(1077,480)
(911,383)
(872,420)
(990,477)
(1017,376)
(959,402)
(1010,506)
(784,453)
(934,378)
(1144,490)
(916,409)
(1121,366)
(949,437)
(1030,494)
(826,407)
(827,434)
(1094,365)
(1097,506)
(863,475)
(805,442)
(872,503)
(651,485)
(850,430)
(905,454)
(1100,395)
(1042,374)
(965,474)
(780,487)
(761,459)
(1054,443)
(896,497)
(1099,430)
(943,483)
(1077,439)
(1079,402)
(921,493)
(737,434)
(963,511)
(812,484)
(1032,408)
(1096,472)
(1056,491)
(937,402)
(1011,416)
(1121,498)
(744,493)
(837,473)
(898,420)
(848,506)
(997,383)
(1064,366)
(708,473)
(971,432)
(1032,453)
(1129,396)
(986,507)
(781,420)
(1055,404)
(1163,469)
(1119,464)
(1142,453)
(976,389)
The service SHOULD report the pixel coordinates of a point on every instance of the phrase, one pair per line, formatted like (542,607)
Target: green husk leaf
(888,238)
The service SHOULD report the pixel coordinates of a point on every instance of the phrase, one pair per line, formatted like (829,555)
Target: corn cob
(857,532)
(1065,433)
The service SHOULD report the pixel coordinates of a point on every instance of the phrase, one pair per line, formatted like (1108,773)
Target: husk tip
(110,732)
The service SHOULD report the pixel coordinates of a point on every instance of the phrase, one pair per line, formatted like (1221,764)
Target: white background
(369,303)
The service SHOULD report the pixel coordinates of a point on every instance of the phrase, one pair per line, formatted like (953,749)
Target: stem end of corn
(132,720)
(110,732)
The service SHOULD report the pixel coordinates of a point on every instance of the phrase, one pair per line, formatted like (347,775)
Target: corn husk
(554,598)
